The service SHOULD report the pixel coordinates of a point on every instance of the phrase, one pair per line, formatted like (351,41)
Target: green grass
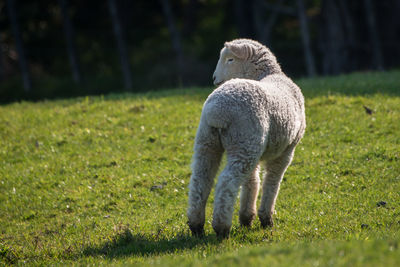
(103,180)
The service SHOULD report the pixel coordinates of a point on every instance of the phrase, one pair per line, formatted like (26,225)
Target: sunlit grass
(104,179)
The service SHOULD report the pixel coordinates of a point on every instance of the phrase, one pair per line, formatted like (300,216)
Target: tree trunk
(70,36)
(175,38)
(266,34)
(373,35)
(243,11)
(264,26)
(190,24)
(258,20)
(351,38)
(332,39)
(122,50)
(19,45)
(306,39)
(1,61)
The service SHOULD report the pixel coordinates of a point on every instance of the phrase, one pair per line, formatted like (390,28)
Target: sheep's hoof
(222,232)
(266,222)
(197,230)
(246,220)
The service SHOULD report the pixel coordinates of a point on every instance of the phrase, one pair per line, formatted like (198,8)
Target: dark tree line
(70,41)
(19,45)
(170,43)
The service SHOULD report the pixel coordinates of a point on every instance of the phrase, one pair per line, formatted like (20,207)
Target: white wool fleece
(255,115)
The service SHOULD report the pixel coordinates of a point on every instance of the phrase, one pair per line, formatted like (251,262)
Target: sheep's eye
(229,60)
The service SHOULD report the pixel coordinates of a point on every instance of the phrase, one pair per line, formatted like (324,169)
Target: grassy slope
(99,180)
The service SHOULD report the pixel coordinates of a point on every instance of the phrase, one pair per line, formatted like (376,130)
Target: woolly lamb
(255,115)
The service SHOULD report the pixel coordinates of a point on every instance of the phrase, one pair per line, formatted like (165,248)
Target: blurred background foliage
(176,43)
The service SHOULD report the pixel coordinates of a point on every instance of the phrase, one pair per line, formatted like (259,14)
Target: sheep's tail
(216,115)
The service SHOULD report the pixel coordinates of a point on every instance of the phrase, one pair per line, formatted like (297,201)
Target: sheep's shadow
(128,244)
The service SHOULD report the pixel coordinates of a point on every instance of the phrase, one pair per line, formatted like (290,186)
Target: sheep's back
(269,108)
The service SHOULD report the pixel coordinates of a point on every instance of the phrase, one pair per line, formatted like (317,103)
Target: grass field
(103,180)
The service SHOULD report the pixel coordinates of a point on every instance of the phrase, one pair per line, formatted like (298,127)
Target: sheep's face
(233,63)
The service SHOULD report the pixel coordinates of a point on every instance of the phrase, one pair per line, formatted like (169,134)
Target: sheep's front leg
(206,160)
(275,169)
(248,198)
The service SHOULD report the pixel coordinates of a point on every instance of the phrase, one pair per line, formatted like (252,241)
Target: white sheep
(255,115)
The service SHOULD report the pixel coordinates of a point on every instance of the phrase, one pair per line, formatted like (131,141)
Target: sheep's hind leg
(275,169)
(234,174)
(206,160)
(248,198)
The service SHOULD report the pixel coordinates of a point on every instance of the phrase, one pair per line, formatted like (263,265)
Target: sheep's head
(244,58)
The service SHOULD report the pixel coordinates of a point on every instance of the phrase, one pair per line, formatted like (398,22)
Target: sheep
(257,116)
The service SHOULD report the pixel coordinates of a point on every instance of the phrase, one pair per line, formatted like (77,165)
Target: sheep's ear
(242,51)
